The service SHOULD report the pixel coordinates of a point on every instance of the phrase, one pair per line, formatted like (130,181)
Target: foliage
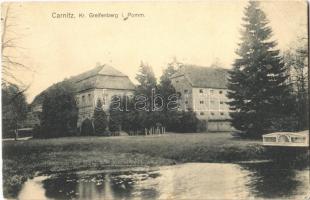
(143,118)
(124,115)
(14,108)
(165,87)
(87,127)
(59,111)
(100,119)
(187,122)
(296,61)
(146,79)
(257,81)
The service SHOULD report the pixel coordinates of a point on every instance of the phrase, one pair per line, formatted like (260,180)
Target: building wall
(184,88)
(209,104)
(87,100)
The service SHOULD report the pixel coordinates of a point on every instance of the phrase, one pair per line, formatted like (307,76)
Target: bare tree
(12,55)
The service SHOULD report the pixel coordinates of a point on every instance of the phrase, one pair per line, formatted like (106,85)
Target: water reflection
(117,185)
(187,181)
(277,180)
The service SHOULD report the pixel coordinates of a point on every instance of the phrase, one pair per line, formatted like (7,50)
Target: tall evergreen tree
(146,79)
(169,115)
(100,119)
(257,80)
(165,87)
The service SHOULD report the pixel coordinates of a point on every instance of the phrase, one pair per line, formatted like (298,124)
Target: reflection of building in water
(203,90)
(186,181)
(94,188)
(107,188)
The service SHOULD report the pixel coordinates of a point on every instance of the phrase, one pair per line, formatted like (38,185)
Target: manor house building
(203,90)
(100,83)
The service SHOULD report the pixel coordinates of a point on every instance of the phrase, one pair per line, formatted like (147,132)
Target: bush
(87,127)
(284,123)
(37,131)
(114,126)
(100,120)
(201,126)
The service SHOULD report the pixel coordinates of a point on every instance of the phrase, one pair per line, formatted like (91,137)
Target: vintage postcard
(160,100)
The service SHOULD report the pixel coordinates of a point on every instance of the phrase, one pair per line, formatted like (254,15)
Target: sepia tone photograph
(193,100)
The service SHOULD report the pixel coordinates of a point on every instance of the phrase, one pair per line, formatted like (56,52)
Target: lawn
(22,159)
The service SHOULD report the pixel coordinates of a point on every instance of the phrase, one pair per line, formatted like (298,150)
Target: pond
(184,181)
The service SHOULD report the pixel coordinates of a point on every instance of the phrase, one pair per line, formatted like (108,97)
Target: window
(201,91)
(221,92)
(185,91)
(202,113)
(212,113)
(186,102)
(201,102)
(83,99)
(222,113)
(176,81)
(221,102)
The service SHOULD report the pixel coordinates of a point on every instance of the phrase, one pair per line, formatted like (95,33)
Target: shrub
(87,127)
(100,119)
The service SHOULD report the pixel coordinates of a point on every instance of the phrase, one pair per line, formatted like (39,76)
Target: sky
(198,33)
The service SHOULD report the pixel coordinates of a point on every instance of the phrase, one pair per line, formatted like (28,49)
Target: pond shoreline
(24,159)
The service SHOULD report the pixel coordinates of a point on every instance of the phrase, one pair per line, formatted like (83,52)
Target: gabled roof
(99,70)
(105,82)
(101,77)
(204,77)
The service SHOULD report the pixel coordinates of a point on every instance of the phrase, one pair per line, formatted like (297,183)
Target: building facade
(203,90)
(100,83)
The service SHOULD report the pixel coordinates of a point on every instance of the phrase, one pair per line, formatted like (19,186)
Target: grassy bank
(22,159)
